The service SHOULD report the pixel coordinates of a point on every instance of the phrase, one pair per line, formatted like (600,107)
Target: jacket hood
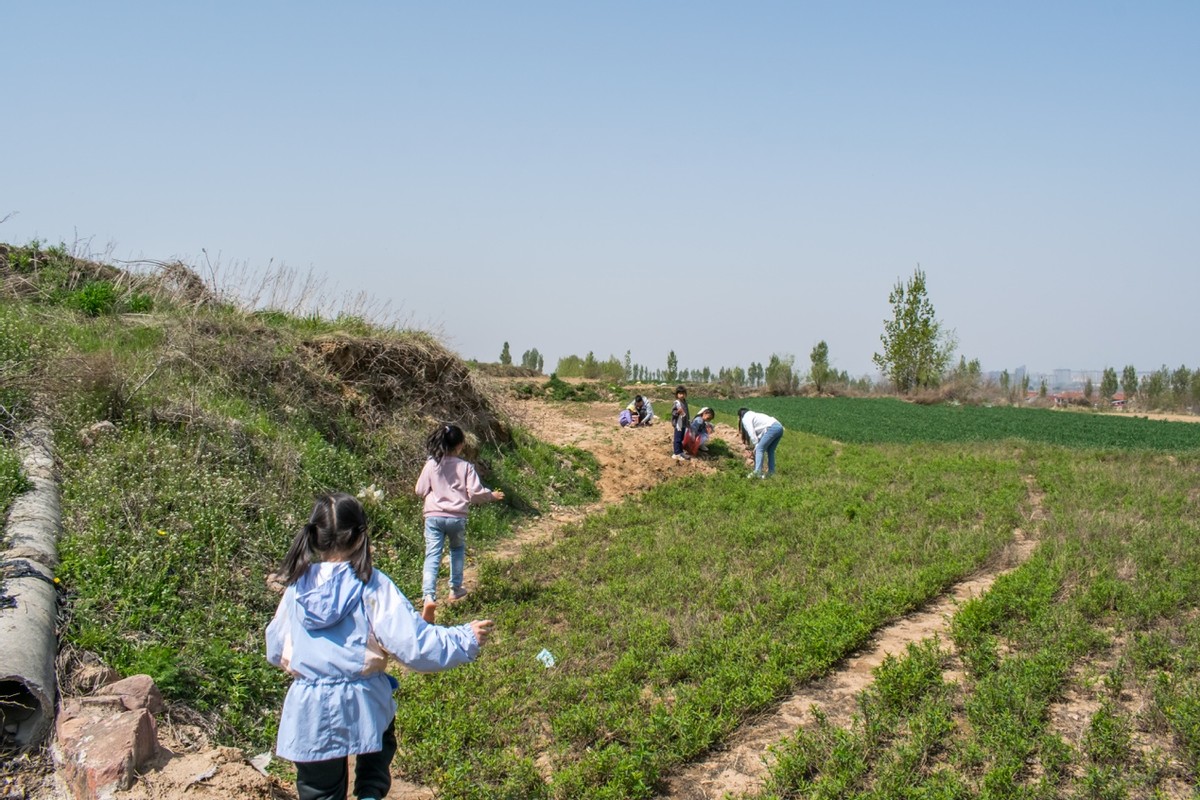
(324,603)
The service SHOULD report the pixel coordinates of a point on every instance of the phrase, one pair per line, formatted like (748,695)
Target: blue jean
(767,444)
(437,531)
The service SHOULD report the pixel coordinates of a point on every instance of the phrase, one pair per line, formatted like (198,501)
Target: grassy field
(1100,622)
(1102,618)
(675,617)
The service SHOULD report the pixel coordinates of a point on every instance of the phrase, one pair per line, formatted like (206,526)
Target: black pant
(326,780)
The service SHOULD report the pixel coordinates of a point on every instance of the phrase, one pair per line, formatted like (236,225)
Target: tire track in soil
(741,764)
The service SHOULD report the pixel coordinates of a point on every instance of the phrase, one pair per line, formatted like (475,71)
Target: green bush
(140,303)
(94,299)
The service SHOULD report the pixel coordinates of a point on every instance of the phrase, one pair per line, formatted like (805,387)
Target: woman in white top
(761,433)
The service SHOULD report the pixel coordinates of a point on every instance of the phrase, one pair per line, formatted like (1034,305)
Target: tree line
(917,354)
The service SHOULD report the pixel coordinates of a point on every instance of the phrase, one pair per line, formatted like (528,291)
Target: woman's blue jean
(767,444)
(437,531)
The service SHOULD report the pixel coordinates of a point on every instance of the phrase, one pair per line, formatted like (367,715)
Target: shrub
(140,303)
(94,299)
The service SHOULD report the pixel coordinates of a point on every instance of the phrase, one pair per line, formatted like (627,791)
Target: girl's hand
(482,629)
(497,494)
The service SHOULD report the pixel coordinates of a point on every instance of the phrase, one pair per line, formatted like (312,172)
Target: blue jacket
(333,634)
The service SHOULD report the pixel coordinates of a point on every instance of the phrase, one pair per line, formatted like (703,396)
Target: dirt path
(631,460)
(741,766)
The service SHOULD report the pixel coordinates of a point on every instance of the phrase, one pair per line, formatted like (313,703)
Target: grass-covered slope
(193,437)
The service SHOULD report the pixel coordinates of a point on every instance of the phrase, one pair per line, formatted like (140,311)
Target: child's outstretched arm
(411,640)
(478,492)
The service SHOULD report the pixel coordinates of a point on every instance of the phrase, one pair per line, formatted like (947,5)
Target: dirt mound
(31,272)
(411,371)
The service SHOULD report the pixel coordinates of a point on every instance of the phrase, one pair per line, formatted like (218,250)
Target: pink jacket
(451,487)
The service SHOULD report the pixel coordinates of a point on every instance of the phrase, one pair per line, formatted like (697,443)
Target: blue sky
(725,180)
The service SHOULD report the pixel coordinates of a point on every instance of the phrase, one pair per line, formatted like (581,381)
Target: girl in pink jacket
(450,486)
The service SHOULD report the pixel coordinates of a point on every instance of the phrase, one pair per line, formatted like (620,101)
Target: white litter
(260,762)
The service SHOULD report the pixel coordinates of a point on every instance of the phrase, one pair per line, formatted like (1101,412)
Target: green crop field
(890,420)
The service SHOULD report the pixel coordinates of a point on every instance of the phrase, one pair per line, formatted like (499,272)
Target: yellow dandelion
(161,532)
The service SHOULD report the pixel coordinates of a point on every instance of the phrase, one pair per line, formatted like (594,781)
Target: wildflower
(161,532)
(371,494)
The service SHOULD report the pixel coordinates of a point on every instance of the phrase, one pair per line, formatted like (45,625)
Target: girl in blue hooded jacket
(338,623)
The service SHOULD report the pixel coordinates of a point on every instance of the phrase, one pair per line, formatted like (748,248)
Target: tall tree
(628,366)
(756,373)
(1129,382)
(820,366)
(1108,384)
(916,350)
(505,355)
(1089,389)
(1154,386)
(672,367)
(781,376)
(1180,381)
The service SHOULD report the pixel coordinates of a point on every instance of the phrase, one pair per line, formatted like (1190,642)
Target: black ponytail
(443,440)
(742,427)
(337,525)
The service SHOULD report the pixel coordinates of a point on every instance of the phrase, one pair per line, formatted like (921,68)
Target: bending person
(760,433)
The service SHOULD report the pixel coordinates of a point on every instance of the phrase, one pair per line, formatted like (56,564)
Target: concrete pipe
(28,599)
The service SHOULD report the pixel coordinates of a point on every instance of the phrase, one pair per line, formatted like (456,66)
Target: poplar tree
(916,351)
(820,365)
(1108,384)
